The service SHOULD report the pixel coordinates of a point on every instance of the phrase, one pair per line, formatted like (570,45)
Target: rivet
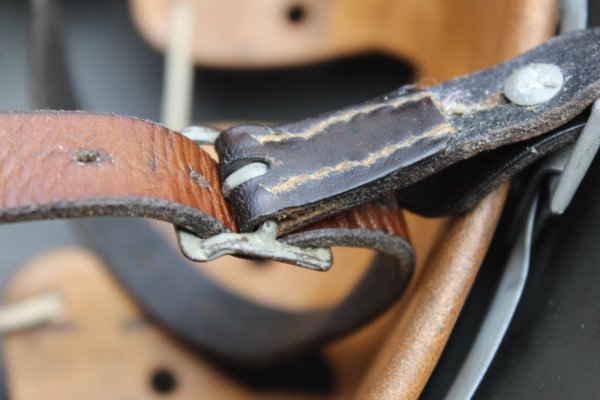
(534,84)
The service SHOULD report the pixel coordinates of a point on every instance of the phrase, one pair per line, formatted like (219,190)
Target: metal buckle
(262,243)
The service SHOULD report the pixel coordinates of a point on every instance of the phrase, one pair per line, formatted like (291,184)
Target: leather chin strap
(73,164)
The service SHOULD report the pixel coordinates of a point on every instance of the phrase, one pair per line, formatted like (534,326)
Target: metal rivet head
(534,84)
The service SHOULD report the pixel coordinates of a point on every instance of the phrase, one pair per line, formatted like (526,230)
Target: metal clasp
(262,243)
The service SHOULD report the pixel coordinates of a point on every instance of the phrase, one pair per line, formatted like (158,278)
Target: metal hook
(262,243)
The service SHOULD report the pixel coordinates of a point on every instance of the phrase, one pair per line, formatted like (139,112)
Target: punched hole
(163,381)
(87,156)
(296,14)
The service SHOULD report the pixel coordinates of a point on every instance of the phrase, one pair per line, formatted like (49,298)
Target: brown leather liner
(412,349)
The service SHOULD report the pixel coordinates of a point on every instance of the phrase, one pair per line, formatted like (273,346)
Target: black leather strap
(340,160)
(460,186)
(330,162)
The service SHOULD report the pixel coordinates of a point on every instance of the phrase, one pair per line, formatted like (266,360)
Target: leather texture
(459,187)
(72,164)
(335,161)
(75,164)
(501,172)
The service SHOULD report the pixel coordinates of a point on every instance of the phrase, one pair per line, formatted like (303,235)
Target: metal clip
(262,243)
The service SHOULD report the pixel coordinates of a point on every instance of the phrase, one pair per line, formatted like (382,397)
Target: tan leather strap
(72,164)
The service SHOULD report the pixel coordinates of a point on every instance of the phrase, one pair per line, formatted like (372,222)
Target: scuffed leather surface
(143,169)
(348,157)
(56,164)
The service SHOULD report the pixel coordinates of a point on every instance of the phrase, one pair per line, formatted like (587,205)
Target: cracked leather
(321,165)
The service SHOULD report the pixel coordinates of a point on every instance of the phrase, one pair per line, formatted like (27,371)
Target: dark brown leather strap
(320,165)
(92,165)
(459,187)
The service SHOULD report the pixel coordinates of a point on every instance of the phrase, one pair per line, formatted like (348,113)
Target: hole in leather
(296,14)
(85,156)
(163,381)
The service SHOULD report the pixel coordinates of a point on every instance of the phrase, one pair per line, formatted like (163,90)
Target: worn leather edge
(125,206)
(198,222)
(62,164)
(460,186)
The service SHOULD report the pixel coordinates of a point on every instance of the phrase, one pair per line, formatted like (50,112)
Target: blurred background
(114,68)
